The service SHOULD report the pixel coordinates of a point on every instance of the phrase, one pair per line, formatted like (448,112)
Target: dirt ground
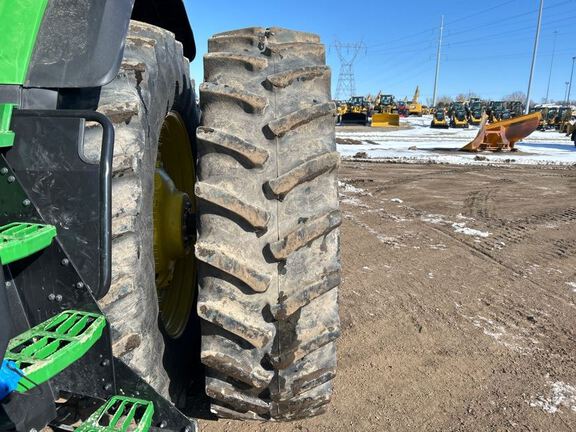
(458,303)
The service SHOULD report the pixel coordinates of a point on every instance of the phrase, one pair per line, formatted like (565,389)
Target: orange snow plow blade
(502,135)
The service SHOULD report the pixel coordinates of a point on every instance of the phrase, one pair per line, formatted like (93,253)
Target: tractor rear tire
(153,81)
(268,237)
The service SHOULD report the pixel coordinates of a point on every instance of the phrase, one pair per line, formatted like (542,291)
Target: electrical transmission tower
(347,54)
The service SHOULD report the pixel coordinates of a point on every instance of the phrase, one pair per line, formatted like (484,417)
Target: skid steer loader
(439,119)
(475,112)
(142,244)
(458,115)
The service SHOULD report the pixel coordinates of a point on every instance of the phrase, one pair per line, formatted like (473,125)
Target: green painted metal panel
(19,24)
(6,135)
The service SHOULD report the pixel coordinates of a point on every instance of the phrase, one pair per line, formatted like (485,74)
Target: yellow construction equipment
(357,109)
(502,135)
(475,111)
(385,112)
(457,114)
(439,120)
(341,108)
(414,106)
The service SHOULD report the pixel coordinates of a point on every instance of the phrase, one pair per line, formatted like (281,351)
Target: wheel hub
(174,226)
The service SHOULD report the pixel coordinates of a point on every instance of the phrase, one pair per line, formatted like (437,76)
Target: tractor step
(20,240)
(120,414)
(48,348)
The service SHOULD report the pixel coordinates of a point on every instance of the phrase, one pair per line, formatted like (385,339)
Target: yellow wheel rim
(174,225)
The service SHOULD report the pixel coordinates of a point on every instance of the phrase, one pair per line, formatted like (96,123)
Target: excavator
(414,106)
(148,242)
(385,112)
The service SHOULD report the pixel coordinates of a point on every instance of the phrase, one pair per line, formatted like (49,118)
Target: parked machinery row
(556,117)
(462,114)
(383,109)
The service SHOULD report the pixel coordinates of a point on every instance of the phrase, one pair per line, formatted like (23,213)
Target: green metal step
(45,350)
(120,414)
(20,240)
(6,135)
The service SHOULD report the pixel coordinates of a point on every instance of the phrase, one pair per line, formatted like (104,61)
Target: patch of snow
(442,145)
(572,285)
(397,200)
(439,246)
(345,187)
(462,217)
(560,395)
(353,201)
(503,334)
(433,219)
(461,228)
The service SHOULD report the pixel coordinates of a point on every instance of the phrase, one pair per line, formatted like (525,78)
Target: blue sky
(487,44)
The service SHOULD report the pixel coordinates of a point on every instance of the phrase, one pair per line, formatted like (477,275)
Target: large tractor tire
(268,238)
(152,105)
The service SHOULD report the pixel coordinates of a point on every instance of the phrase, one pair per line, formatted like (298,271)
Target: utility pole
(439,52)
(346,80)
(536,40)
(570,84)
(551,64)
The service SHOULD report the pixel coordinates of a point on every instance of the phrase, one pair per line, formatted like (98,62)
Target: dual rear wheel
(244,208)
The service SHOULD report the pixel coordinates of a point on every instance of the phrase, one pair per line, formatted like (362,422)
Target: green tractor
(146,240)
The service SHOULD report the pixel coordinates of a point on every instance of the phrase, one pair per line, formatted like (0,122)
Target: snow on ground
(458,227)
(441,145)
(560,395)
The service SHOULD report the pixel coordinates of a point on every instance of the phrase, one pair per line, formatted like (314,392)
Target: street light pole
(536,40)
(570,84)
(551,64)
(438,53)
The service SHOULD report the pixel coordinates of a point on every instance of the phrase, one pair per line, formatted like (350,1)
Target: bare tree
(515,96)
(444,101)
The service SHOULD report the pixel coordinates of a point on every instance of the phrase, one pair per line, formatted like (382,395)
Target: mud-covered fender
(81,42)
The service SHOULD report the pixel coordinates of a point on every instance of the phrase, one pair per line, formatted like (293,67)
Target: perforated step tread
(19,240)
(48,348)
(120,414)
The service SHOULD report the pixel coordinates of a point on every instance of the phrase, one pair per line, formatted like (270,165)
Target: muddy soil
(458,302)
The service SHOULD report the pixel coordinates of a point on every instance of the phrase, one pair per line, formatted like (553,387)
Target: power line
(347,54)
(536,40)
